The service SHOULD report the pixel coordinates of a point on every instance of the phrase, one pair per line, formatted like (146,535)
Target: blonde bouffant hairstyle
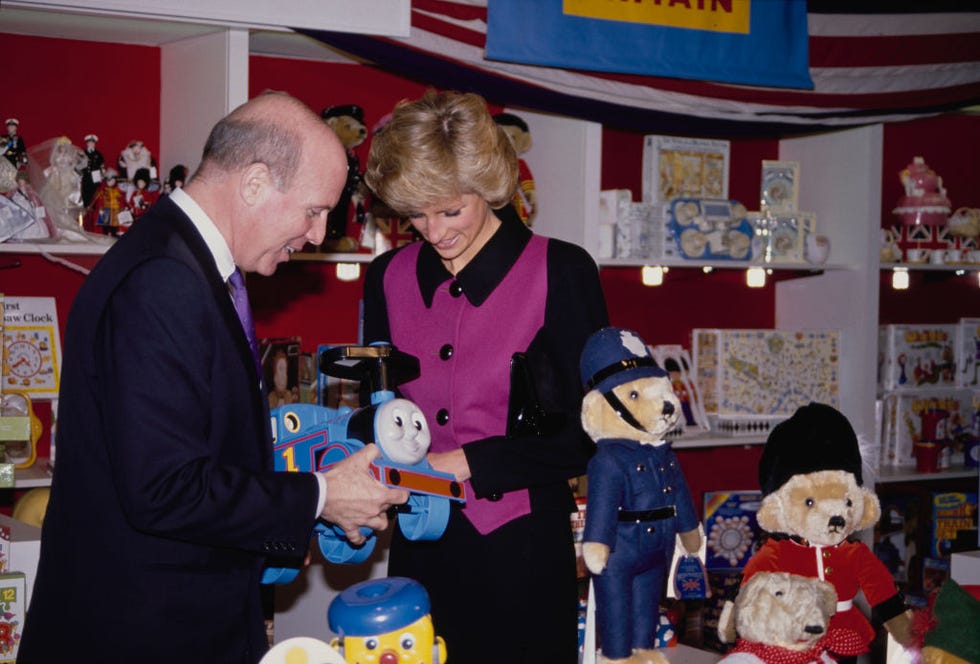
(438,147)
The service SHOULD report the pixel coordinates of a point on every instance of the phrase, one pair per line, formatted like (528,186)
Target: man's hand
(355,498)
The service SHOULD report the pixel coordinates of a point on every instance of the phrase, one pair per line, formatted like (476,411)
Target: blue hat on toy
(377,606)
(613,356)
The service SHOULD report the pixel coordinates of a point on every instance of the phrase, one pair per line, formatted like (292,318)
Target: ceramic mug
(954,255)
(817,249)
(916,255)
(973,256)
(937,256)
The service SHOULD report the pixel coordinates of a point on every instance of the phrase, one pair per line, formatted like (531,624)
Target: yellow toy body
(385,621)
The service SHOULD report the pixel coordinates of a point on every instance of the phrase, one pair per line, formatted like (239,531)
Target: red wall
(113,90)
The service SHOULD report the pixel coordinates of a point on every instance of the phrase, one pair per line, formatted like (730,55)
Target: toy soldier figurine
(92,171)
(13,145)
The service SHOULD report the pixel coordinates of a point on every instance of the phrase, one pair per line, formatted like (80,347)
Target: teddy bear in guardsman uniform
(813,501)
(638,499)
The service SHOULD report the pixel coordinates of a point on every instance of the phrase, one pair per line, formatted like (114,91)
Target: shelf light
(652,275)
(707,269)
(755,277)
(900,278)
(348,271)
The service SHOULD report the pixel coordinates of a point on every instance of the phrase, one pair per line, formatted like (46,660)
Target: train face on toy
(311,438)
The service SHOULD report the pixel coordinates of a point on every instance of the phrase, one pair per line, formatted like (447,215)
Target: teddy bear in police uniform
(638,499)
(347,121)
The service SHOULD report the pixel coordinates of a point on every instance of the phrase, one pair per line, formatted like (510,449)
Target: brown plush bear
(813,501)
(638,499)
(785,618)
(525,199)
(347,121)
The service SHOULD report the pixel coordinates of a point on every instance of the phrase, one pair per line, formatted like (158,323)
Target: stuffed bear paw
(639,656)
(595,555)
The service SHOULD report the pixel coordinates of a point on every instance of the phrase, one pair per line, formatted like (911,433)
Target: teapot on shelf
(925,201)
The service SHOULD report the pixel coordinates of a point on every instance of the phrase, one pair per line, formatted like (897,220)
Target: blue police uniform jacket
(627,475)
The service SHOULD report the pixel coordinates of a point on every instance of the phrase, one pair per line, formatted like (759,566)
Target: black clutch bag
(525,414)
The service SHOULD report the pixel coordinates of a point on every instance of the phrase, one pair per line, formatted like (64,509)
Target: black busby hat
(352,110)
(816,437)
(510,120)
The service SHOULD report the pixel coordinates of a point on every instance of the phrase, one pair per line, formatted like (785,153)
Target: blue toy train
(307,438)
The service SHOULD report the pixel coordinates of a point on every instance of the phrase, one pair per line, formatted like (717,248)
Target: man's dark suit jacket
(163,505)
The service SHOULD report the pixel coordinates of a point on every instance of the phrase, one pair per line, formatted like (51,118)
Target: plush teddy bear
(525,199)
(347,121)
(784,618)
(813,501)
(638,500)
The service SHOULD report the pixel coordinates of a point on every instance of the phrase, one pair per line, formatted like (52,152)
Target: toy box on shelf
(750,379)
(732,530)
(628,229)
(915,356)
(13,605)
(934,422)
(676,166)
(953,523)
(709,229)
(968,352)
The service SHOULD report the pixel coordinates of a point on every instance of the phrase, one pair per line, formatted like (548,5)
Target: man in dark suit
(163,505)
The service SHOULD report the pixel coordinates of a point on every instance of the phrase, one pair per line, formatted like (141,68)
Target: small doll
(135,157)
(142,194)
(13,145)
(175,179)
(109,205)
(92,171)
(27,199)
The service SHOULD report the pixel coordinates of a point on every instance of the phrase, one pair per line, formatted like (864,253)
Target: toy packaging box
(13,605)
(944,416)
(968,353)
(765,373)
(4,549)
(916,356)
(578,535)
(31,346)
(731,528)
(676,166)
(953,523)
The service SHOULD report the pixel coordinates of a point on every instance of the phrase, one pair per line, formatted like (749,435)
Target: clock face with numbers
(24,359)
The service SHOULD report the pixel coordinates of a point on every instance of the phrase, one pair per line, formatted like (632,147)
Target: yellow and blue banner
(753,42)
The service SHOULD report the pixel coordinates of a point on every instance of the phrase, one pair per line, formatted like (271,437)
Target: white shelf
(37,475)
(733,265)
(888,475)
(715,440)
(61,248)
(930,267)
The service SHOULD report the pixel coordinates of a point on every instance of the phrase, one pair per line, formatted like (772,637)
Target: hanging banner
(753,42)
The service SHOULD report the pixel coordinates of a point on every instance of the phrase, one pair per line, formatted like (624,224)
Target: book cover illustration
(766,372)
(31,346)
(678,166)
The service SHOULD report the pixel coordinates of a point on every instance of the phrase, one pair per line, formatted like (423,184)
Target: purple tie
(240,297)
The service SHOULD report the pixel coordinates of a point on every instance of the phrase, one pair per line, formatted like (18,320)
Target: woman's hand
(453,463)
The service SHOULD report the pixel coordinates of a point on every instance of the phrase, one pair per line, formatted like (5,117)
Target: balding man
(164,505)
